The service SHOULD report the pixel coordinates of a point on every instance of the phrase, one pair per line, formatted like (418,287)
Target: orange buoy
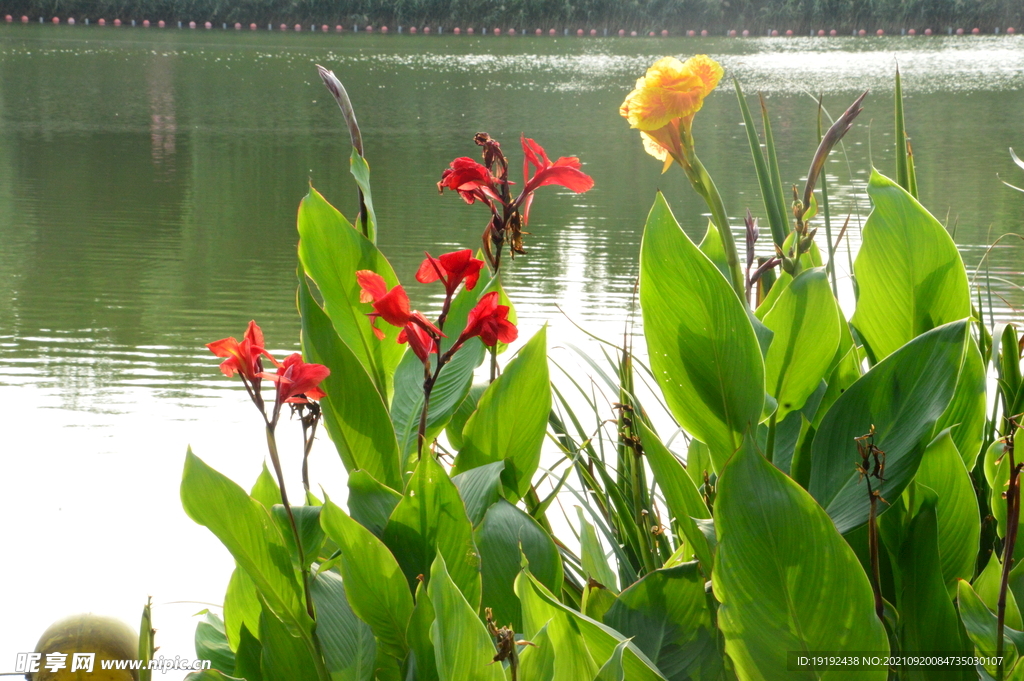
(911,32)
(927,31)
(959,31)
(975,30)
(101,22)
(746,33)
(383,29)
(833,33)
(117,22)
(879,32)
(538,32)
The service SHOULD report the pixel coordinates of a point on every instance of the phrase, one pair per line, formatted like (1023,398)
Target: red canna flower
(471,180)
(452,269)
(243,357)
(392,306)
(297,381)
(565,172)
(489,321)
(419,340)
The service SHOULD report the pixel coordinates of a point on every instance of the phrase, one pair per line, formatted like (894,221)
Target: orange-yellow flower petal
(671,89)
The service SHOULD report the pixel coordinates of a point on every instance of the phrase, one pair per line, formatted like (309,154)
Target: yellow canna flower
(667,98)
(671,89)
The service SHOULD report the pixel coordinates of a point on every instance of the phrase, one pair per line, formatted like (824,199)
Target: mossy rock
(109,638)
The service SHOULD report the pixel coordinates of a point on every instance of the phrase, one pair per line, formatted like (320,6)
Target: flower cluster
(296,381)
(665,100)
(487,320)
(488,183)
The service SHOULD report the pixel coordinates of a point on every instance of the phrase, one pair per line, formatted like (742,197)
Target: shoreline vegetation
(675,16)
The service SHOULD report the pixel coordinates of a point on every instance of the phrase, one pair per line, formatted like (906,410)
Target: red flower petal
(373,286)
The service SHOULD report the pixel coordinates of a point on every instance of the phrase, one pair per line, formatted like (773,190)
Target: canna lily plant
(815,486)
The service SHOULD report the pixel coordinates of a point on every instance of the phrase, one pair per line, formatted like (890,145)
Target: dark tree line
(715,15)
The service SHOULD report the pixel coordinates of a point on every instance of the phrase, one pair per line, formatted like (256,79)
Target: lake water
(148,188)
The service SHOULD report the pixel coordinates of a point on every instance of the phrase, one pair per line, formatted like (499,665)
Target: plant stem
(769,449)
(1012,525)
(876,586)
(705,186)
(276,460)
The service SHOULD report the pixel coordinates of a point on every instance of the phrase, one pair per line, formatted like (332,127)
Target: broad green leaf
(987,587)
(265,489)
(698,462)
(370,502)
(505,534)
(249,532)
(965,414)
(805,321)
(356,417)
(331,252)
(928,621)
(711,246)
(785,578)
(450,390)
(419,636)
(902,397)
(360,170)
(997,474)
(595,564)
(537,661)
(452,386)
(703,350)
(845,371)
(307,521)
(909,273)
(682,498)
(579,641)
(248,655)
(596,601)
(479,488)
(666,615)
(981,625)
(429,520)
(346,641)
(212,644)
(241,607)
(463,648)
(511,419)
(375,586)
(285,657)
(780,286)
(458,420)
(959,524)
(612,669)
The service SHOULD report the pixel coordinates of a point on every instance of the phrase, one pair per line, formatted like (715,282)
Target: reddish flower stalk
(489,184)
(296,382)
(487,320)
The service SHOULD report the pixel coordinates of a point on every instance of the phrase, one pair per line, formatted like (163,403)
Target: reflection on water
(149,183)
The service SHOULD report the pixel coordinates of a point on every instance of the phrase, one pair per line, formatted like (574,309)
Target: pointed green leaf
(785,578)
(981,625)
(902,397)
(370,502)
(537,662)
(512,418)
(419,636)
(703,350)
(595,564)
(331,252)
(360,170)
(479,488)
(284,657)
(578,641)
(375,586)
(612,669)
(505,534)
(246,528)
(909,273)
(354,411)
(928,621)
(987,587)
(959,524)
(463,648)
(965,414)
(805,321)
(666,614)
(429,520)
(212,644)
(346,641)
(241,607)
